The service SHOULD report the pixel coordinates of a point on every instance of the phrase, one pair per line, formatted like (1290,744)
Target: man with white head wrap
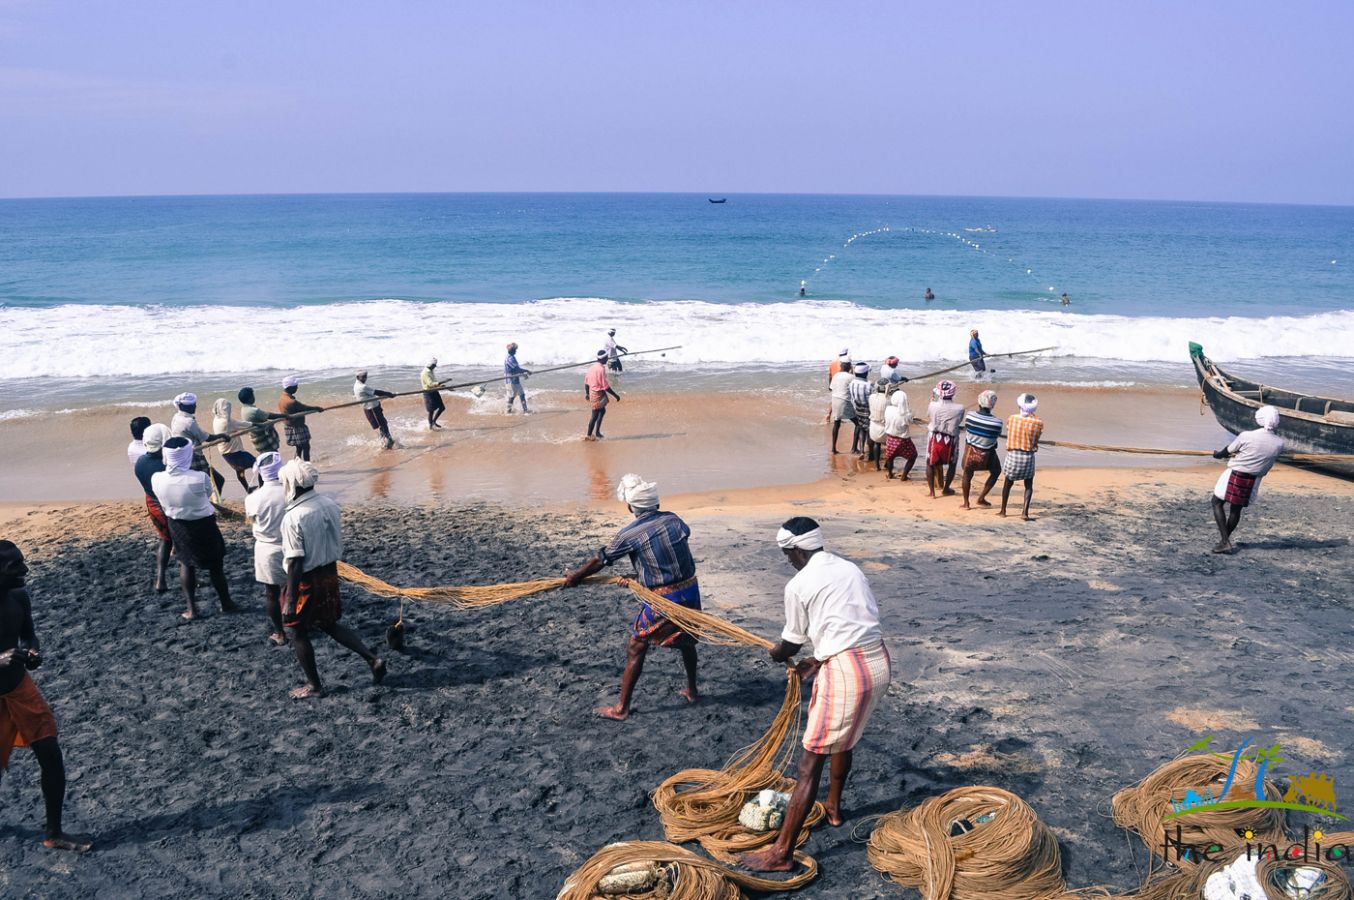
(432,393)
(153,439)
(1023,431)
(656,543)
(265,508)
(184,424)
(942,432)
(981,430)
(312,545)
(1249,459)
(186,496)
(371,407)
(296,429)
(232,451)
(513,374)
(839,388)
(879,404)
(829,604)
(859,391)
(897,437)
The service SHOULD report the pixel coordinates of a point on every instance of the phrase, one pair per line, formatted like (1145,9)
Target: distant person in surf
(656,543)
(1249,459)
(186,496)
(829,604)
(897,438)
(614,352)
(840,389)
(1022,442)
(264,508)
(596,390)
(25,718)
(152,461)
(432,393)
(371,407)
(942,444)
(929,296)
(512,379)
(233,452)
(137,448)
(803,288)
(297,431)
(312,545)
(981,430)
(976,354)
(1067,301)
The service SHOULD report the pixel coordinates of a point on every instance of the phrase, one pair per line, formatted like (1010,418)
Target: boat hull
(1234,403)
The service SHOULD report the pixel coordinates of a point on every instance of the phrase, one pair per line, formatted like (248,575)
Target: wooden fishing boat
(1307,424)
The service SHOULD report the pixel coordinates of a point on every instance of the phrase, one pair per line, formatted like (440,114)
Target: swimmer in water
(803,288)
(1067,301)
(929,296)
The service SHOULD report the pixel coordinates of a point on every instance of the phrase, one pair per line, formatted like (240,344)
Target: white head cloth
(178,458)
(1267,417)
(637,492)
(291,381)
(268,465)
(185,399)
(298,475)
(221,408)
(809,540)
(1028,403)
(154,437)
(432,361)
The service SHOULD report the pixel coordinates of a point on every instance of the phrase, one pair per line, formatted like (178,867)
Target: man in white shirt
(1249,459)
(312,544)
(897,436)
(185,495)
(264,507)
(137,448)
(840,388)
(829,604)
(371,407)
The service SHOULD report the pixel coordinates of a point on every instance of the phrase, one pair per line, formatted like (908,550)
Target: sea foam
(120,341)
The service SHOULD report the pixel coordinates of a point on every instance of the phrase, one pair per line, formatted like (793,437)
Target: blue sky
(1182,100)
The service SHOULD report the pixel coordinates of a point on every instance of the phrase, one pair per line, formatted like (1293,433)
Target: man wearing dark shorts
(312,545)
(656,543)
(371,407)
(25,718)
(186,495)
(432,394)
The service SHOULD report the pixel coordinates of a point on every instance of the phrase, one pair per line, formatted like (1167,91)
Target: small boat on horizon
(1307,424)
(720,200)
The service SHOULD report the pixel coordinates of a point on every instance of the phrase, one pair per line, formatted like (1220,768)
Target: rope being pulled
(1154,451)
(681,875)
(695,804)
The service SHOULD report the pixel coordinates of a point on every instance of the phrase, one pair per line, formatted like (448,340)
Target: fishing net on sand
(971,843)
(1280,879)
(695,804)
(652,870)
(1143,809)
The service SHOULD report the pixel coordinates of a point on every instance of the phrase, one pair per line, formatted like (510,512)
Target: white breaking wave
(101,341)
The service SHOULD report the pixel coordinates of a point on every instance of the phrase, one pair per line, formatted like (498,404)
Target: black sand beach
(1061,660)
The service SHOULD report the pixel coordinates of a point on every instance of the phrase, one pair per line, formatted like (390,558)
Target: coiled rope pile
(695,804)
(1143,807)
(683,875)
(1011,856)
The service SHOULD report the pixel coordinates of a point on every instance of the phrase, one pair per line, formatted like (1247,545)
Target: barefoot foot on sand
(689,695)
(948,492)
(984,503)
(68,842)
(966,506)
(1223,548)
(378,671)
(229,608)
(612,712)
(188,616)
(766,860)
(306,693)
(278,639)
(834,816)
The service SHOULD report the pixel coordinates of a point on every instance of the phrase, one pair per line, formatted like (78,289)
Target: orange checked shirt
(1022,432)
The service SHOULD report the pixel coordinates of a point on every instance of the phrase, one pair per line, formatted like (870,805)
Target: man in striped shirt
(656,543)
(981,430)
(859,393)
(1022,442)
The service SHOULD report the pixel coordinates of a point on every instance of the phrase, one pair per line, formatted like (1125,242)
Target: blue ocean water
(1112,257)
(155,287)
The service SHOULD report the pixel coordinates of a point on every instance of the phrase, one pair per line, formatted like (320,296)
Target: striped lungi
(297,434)
(845,692)
(1237,488)
(684,593)
(1018,465)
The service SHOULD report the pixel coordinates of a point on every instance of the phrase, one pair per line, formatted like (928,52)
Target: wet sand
(690,440)
(1061,659)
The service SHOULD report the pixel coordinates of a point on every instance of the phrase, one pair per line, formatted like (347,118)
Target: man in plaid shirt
(1022,442)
